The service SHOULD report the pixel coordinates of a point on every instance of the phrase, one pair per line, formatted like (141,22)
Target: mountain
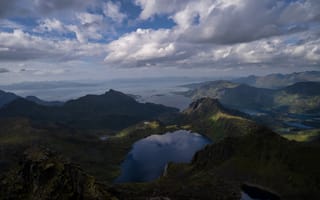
(209,117)
(279,80)
(244,96)
(208,89)
(112,110)
(304,88)
(302,97)
(6,97)
(42,102)
(45,85)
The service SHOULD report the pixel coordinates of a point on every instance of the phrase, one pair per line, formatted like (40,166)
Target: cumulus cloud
(222,34)
(112,10)
(36,8)
(142,45)
(45,7)
(154,7)
(18,45)
(49,25)
(89,26)
(227,22)
(163,48)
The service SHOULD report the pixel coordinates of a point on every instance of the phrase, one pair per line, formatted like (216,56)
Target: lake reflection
(148,157)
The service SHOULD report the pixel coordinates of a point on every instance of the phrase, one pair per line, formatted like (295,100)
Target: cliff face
(42,174)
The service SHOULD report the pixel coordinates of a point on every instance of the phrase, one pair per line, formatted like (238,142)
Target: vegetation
(303,136)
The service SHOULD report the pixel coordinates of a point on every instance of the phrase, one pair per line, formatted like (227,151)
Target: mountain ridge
(299,97)
(276,81)
(112,110)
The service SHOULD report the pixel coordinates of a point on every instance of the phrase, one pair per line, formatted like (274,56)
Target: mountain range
(8,97)
(301,97)
(275,81)
(112,110)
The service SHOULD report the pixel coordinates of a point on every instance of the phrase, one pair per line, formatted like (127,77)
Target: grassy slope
(303,136)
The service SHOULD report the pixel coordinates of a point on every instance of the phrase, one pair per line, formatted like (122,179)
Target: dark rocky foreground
(42,174)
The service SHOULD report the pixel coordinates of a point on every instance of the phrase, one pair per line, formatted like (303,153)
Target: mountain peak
(112,91)
(205,106)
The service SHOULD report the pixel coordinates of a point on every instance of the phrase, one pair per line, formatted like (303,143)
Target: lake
(149,156)
(298,125)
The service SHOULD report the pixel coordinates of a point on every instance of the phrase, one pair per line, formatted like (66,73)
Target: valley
(125,149)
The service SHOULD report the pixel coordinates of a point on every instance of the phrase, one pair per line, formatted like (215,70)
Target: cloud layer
(182,34)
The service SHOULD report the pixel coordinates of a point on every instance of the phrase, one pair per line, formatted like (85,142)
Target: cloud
(6,6)
(88,26)
(46,7)
(112,10)
(217,35)
(40,8)
(18,45)
(228,22)
(3,70)
(141,46)
(222,34)
(8,24)
(154,7)
(49,25)
(163,48)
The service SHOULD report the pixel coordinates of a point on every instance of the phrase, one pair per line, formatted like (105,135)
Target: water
(149,156)
(253,112)
(250,192)
(245,196)
(298,125)
(168,99)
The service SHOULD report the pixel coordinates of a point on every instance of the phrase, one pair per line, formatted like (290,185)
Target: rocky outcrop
(41,174)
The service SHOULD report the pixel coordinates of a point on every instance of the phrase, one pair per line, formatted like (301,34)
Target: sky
(43,40)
